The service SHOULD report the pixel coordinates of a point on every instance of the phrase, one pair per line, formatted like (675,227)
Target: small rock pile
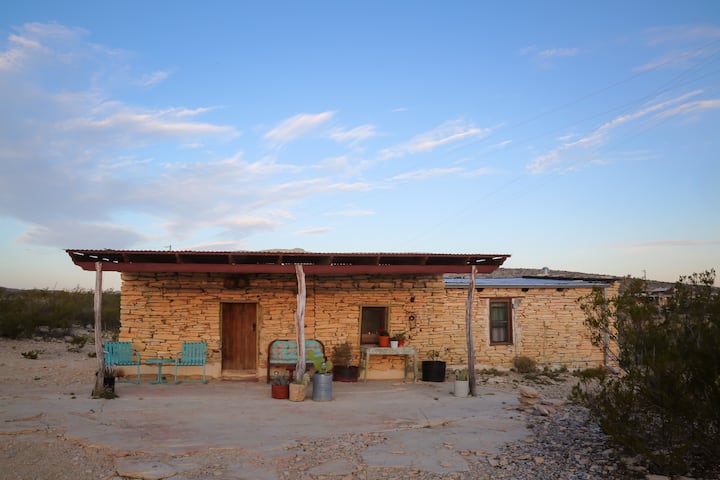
(530,402)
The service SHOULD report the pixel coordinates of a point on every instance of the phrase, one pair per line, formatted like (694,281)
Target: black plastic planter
(345,374)
(433,371)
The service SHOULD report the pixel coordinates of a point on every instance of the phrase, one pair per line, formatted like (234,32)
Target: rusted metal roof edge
(283,261)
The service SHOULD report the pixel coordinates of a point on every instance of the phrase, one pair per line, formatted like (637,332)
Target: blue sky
(573,135)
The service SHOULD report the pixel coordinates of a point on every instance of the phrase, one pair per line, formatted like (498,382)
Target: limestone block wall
(547,327)
(161,310)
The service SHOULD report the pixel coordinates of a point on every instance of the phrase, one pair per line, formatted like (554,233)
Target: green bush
(524,364)
(23,311)
(664,405)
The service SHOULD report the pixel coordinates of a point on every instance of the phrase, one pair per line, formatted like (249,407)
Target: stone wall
(547,327)
(161,310)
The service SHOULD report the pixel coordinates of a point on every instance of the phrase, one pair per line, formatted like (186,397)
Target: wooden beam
(287,268)
(468,332)
(99,352)
(300,324)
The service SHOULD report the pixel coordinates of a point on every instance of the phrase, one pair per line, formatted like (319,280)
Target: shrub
(664,405)
(524,364)
(23,311)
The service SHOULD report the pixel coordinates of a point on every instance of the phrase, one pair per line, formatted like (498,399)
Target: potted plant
(322,379)
(298,389)
(108,372)
(462,386)
(394,341)
(383,337)
(280,387)
(433,369)
(400,337)
(341,358)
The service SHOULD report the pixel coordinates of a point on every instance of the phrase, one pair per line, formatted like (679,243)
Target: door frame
(256,334)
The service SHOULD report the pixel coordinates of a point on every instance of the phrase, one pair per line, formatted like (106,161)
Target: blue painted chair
(193,354)
(121,354)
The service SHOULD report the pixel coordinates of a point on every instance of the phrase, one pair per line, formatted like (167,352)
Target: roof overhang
(239,262)
(528,283)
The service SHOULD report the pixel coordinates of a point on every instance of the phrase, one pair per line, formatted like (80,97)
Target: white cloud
(149,123)
(558,52)
(570,154)
(672,60)
(427,173)
(224,246)
(297,126)
(681,34)
(690,107)
(449,132)
(153,78)
(75,234)
(354,135)
(314,230)
(481,172)
(353,213)
(35,41)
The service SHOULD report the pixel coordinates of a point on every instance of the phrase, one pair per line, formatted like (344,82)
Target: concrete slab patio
(154,431)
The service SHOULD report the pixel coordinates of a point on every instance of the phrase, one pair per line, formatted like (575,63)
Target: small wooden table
(367,351)
(160,362)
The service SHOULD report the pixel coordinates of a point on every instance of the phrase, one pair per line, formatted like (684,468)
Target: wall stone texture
(161,310)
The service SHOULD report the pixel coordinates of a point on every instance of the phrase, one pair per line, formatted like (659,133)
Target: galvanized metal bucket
(322,387)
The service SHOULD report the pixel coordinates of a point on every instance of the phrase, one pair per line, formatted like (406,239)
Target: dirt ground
(45,453)
(44,450)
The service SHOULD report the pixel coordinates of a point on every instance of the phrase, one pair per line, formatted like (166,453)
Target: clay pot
(280,391)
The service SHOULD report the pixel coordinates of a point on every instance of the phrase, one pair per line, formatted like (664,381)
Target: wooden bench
(121,354)
(283,354)
(193,354)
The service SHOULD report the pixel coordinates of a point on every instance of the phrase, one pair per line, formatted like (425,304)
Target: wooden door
(239,336)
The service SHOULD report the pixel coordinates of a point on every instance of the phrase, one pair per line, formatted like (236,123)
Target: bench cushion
(284,353)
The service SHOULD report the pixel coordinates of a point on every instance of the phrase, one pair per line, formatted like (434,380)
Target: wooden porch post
(468,331)
(300,323)
(99,377)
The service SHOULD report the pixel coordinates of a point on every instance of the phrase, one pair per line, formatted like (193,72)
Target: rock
(528,401)
(539,460)
(528,392)
(651,476)
(543,410)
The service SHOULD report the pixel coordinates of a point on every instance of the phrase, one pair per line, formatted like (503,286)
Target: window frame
(509,328)
(385,320)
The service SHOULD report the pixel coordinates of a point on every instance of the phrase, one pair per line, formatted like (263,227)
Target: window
(371,320)
(500,321)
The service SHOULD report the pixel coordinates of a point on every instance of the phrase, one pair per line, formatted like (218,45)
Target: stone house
(238,302)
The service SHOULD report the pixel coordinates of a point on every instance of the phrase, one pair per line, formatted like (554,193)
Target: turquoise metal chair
(193,354)
(121,354)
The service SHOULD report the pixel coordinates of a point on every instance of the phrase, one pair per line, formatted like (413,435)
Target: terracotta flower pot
(280,391)
(384,341)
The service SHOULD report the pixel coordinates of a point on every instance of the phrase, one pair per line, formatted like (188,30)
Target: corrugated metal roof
(284,261)
(464,282)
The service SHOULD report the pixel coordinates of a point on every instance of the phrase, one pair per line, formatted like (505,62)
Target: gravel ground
(564,445)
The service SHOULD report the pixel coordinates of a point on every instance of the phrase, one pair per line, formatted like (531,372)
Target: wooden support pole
(300,324)
(99,352)
(468,331)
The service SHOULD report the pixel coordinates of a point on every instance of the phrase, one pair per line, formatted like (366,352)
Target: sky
(571,135)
